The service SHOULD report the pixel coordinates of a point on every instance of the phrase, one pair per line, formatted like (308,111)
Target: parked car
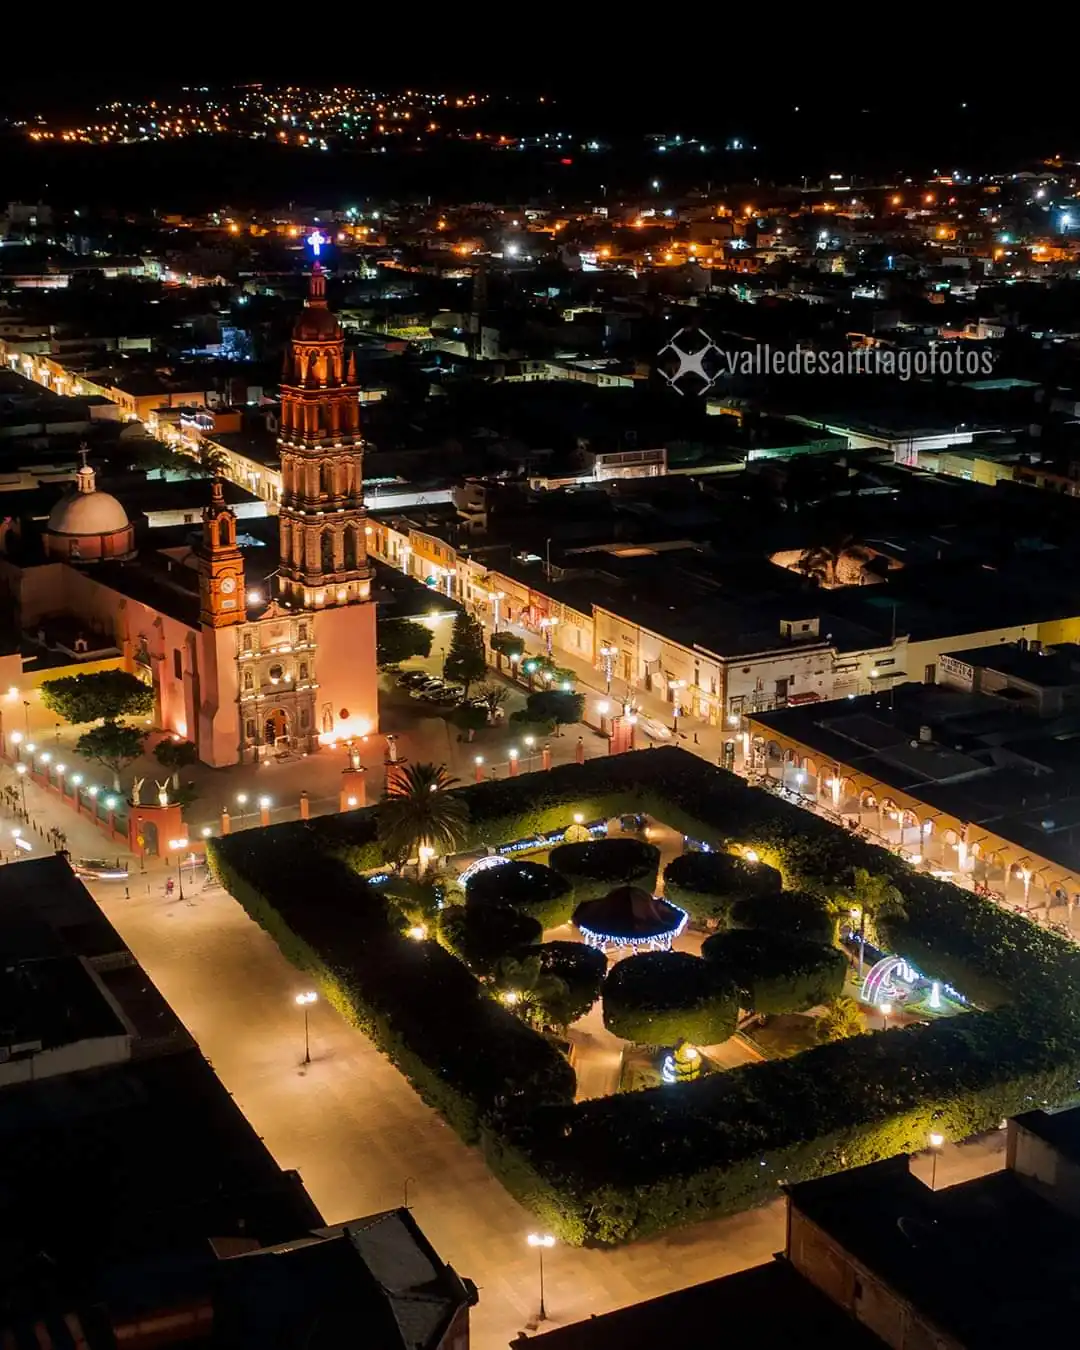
(97,869)
(651,727)
(430,686)
(448,693)
(413,679)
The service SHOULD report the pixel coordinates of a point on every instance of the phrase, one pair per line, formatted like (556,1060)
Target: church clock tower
(222,598)
(324,568)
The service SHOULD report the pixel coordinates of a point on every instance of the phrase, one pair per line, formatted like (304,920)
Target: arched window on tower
(326,480)
(350,549)
(327,551)
(249,680)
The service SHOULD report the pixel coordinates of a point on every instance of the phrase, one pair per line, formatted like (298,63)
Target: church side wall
(347,697)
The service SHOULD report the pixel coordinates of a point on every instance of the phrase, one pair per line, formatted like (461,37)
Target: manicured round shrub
(777,973)
(797,913)
(529,887)
(596,868)
(481,935)
(581,969)
(706,885)
(658,997)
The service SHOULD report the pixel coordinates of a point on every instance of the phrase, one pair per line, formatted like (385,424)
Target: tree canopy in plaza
(108,694)
(466,661)
(113,745)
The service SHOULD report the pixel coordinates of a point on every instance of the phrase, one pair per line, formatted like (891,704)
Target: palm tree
(213,459)
(819,563)
(875,897)
(532,991)
(841,1020)
(420,816)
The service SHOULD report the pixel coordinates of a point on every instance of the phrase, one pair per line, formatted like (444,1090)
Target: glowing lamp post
(607,662)
(935,1141)
(264,810)
(513,763)
(478,761)
(305,1001)
(20,769)
(603,708)
(886,1013)
(241,801)
(542,1242)
(177,846)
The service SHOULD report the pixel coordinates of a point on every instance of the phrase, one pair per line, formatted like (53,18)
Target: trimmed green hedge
(777,973)
(581,969)
(657,997)
(527,886)
(624,1167)
(797,913)
(706,885)
(481,935)
(598,867)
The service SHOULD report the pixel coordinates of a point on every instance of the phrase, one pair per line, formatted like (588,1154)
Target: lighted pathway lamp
(603,708)
(542,1242)
(607,661)
(241,801)
(478,761)
(177,846)
(264,810)
(305,1001)
(886,1013)
(20,769)
(935,1141)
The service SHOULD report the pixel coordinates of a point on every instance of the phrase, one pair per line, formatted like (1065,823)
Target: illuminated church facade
(243,675)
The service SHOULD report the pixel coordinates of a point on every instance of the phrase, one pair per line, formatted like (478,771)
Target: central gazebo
(632,918)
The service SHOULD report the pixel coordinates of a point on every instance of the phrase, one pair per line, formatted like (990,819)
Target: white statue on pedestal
(136,790)
(162,792)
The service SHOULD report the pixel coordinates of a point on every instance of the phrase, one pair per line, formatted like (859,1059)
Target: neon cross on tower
(316,241)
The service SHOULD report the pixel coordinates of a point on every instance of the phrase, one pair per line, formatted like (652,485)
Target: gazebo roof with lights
(630,917)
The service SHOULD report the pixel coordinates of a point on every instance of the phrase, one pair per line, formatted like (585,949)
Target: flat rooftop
(769,1307)
(988,1261)
(988,763)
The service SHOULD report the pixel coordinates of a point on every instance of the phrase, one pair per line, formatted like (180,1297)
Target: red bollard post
(579,753)
(225,820)
(305,806)
(513,763)
(545,757)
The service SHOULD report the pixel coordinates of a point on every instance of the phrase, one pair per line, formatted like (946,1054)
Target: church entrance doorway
(277,729)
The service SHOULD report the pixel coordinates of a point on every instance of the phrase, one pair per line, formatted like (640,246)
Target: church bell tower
(322,519)
(324,576)
(222,598)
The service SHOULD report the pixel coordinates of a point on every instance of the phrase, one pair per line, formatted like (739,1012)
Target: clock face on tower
(228,585)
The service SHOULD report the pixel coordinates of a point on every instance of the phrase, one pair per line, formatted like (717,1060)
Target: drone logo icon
(682,361)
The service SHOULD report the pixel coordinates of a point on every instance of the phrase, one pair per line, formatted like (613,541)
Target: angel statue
(136,789)
(162,792)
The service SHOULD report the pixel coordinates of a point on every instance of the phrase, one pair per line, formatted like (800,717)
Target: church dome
(88,526)
(87,513)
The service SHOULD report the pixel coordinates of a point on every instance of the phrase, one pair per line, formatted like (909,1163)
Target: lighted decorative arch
(481,865)
(878,978)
